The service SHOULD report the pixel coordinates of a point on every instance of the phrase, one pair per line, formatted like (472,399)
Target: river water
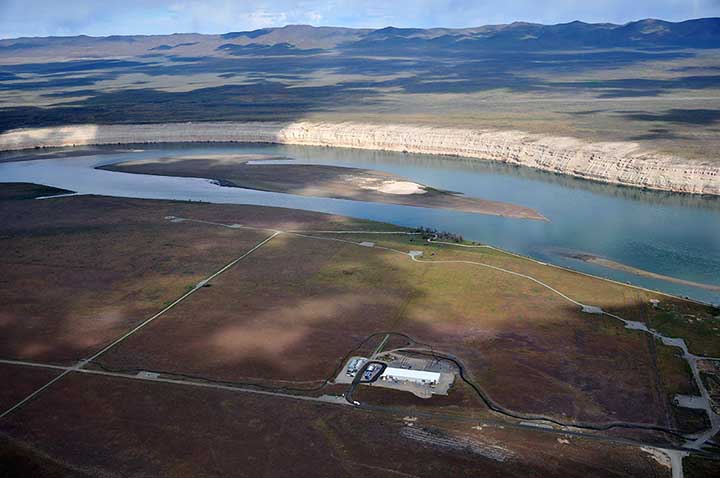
(670,234)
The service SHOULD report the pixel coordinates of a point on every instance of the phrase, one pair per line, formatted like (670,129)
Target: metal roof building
(421,376)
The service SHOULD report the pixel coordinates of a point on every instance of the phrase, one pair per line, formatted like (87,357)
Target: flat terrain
(299,305)
(20,191)
(230,379)
(321,180)
(275,317)
(73,280)
(698,324)
(169,430)
(19,382)
(78,272)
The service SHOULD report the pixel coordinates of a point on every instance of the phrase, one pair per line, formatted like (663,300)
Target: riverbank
(610,264)
(617,163)
(319,180)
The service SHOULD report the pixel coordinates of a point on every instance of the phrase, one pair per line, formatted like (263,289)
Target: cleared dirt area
(121,427)
(321,180)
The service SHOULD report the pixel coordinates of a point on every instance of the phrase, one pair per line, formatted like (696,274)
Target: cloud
(108,17)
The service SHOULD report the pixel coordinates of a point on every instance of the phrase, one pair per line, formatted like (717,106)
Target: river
(665,233)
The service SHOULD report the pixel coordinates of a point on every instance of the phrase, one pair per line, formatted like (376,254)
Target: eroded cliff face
(619,163)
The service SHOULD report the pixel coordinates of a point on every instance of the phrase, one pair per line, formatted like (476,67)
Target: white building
(407,375)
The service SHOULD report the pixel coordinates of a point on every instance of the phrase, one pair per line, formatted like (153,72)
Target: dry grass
(292,310)
(19,382)
(698,324)
(78,272)
(165,430)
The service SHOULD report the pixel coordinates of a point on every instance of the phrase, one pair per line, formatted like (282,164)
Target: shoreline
(618,266)
(614,163)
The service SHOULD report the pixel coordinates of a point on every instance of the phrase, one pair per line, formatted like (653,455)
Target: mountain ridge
(698,33)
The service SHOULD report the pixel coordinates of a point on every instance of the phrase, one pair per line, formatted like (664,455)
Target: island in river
(318,180)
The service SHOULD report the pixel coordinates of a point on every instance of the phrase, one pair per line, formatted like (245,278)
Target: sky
(133,17)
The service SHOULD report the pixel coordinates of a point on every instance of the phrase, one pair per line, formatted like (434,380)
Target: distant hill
(651,81)
(518,36)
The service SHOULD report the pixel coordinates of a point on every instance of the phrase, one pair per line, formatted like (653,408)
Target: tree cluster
(434,234)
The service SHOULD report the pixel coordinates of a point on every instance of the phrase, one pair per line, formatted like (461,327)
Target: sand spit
(317,180)
(610,264)
(618,163)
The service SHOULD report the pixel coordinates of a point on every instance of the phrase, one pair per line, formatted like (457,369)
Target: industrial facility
(421,377)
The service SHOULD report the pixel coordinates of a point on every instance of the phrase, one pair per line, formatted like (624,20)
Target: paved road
(341,401)
(150,378)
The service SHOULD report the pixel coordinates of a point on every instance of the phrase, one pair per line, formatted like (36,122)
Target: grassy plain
(269,318)
(77,272)
(19,382)
(698,324)
(294,308)
(285,316)
(163,430)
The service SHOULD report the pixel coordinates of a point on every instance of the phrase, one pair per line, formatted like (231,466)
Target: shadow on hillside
(281,88)
(678,116)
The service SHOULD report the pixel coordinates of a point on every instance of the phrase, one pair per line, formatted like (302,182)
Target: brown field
(23,460)
(18,382)
(72,281)
(317,180)
(698,324)
(120,427)
(85,269)
(273,317)
(296,307)
(78,272)
(696,467)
